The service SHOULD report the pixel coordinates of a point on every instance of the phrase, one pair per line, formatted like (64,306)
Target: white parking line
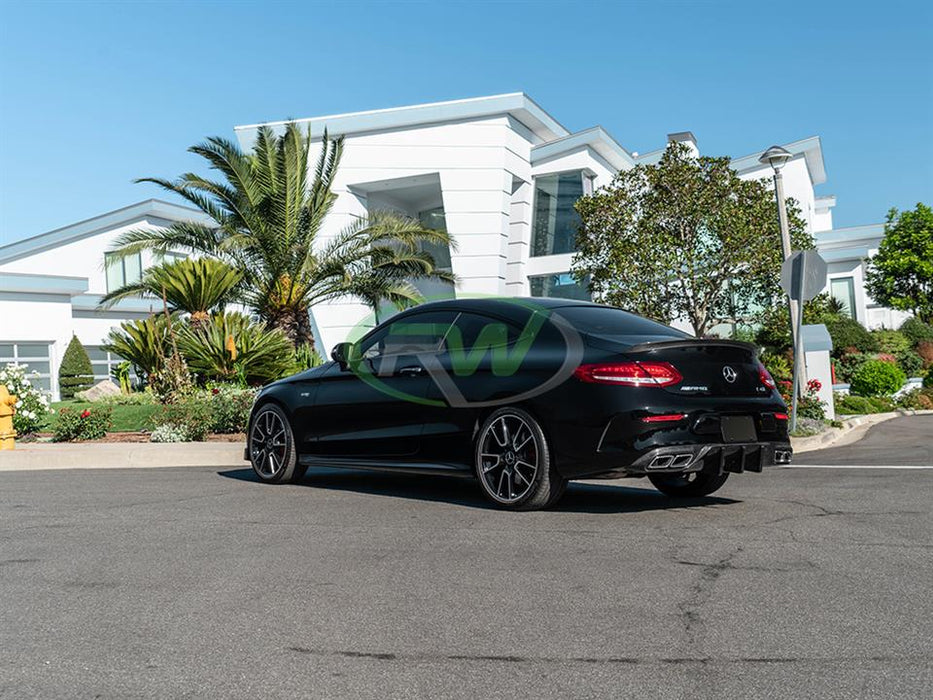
(858,466)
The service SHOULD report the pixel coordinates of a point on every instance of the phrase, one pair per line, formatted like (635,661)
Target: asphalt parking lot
(196,582)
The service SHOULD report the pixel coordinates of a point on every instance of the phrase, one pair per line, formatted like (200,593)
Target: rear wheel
(272,447)
(514,464)
(690,485)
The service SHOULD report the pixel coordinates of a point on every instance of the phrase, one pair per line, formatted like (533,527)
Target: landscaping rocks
(102,389)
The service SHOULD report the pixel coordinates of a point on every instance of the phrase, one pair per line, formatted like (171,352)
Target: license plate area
(738,429)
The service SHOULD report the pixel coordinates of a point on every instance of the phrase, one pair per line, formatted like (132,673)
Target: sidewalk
(853,429)
(121,455)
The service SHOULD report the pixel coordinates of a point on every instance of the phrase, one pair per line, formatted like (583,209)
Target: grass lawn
(126,419)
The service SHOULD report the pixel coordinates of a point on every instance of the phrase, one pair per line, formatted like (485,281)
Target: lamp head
(776,157)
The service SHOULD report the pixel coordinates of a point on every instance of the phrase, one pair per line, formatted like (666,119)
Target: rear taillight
(780,416)
(666,418)
(765,377)
(629,373)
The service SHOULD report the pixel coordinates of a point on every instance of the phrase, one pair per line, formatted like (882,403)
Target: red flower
(85,413)
(814,385)
(215,391)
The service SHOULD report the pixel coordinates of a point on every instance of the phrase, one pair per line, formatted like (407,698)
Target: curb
(37,456)
(852,430)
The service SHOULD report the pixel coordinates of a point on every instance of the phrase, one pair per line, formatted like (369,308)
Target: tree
(75,373)
(686,238)
(195,286)
(901,274)
(269,210)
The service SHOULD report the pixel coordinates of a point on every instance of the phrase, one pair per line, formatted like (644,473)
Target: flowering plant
(809,405)
(32,404)
(86,425)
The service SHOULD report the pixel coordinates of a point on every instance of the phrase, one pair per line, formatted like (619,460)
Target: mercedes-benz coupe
(524,395)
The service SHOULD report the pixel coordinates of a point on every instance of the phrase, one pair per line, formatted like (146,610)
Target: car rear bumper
(712,458)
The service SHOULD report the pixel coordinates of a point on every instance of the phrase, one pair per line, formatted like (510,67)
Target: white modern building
(499,173)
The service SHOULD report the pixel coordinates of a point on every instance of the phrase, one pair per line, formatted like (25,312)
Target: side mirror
(341,354)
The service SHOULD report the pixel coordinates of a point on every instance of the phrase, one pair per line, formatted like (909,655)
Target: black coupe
(524,395)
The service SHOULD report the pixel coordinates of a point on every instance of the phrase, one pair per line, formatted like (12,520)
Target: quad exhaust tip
(782,456)
(677,461)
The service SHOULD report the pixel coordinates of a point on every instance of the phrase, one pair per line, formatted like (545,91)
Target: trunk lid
(709,367)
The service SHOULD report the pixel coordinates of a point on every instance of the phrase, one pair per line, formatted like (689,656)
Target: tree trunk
(295,322)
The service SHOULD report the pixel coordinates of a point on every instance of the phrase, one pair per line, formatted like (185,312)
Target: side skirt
(457,470)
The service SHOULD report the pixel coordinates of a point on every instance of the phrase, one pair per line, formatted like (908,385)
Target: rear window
(617,325)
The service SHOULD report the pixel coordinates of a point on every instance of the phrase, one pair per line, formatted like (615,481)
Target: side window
(414,333)
(472,330)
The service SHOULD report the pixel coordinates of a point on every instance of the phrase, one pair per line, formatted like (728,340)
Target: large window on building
(561,286)
(555,223)
(122,270)
(35,356)
(843,290)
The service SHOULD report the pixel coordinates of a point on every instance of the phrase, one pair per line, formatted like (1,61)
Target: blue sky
(93,95)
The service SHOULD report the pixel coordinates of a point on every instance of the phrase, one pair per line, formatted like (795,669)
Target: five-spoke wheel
(513,462)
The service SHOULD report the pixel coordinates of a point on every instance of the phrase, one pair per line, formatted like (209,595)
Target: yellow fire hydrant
(7,409)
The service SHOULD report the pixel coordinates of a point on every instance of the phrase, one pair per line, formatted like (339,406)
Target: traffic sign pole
(803,276)
(799,363)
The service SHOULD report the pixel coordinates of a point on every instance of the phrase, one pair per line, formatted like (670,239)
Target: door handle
(410,371)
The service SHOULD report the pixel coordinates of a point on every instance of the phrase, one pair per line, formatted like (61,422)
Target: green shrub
(928,380)
(847,333)
(75,373)
(891,342)
(230,408)
(847,364)
(910,362)
(190,415)
(877,378)
(881,404)
(916,330)
(231,347)
(853,405)
(777,365)
(89,424)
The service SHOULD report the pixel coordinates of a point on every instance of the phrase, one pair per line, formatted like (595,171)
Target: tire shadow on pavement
(580,497)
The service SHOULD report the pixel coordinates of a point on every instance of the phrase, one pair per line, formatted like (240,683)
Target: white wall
(80,258)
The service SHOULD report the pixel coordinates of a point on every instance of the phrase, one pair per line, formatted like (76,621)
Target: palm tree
(196,286)
(269,211)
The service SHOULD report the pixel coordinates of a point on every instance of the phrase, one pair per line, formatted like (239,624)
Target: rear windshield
(617,325)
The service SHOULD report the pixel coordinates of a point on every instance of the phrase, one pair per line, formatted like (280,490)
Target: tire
(513,462)
(272,447)
(690,485)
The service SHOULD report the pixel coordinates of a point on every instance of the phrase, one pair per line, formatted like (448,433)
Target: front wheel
(272,447)
(514,463)
(690,485)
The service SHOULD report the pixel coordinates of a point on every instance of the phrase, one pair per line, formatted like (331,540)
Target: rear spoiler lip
(693,342)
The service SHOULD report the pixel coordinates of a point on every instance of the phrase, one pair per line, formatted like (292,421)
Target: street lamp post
(776,157)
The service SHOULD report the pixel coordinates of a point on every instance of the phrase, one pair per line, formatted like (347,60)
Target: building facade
(51,285)
(499,173)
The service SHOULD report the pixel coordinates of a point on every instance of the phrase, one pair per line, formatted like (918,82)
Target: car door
(376,407)
(483,359)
